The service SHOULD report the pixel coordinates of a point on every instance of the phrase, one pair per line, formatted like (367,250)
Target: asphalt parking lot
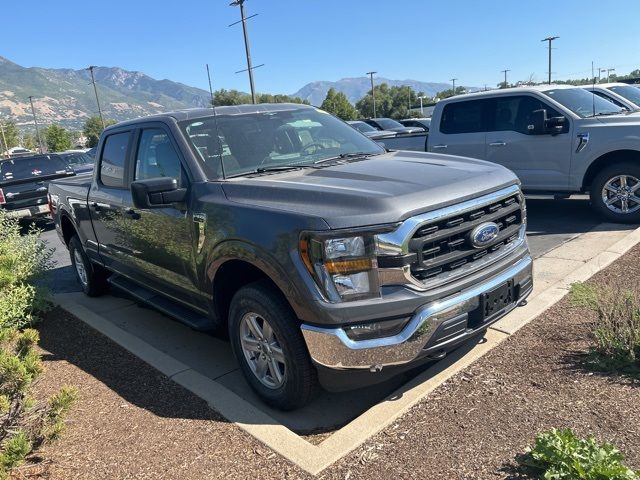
(551,223)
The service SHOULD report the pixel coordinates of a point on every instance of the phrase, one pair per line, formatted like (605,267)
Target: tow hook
(522,303)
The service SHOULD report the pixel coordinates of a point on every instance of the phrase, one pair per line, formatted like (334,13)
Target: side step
(167,306)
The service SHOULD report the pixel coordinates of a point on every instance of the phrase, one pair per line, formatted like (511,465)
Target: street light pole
(609,70)
(421,98)
(549,39)
(505,77)
(373,92)
(453,80)
(247,48)
(33,111)
(95,89)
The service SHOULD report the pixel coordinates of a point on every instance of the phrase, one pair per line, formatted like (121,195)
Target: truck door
(108,199)
(162,238)
(461,130)
(542,162)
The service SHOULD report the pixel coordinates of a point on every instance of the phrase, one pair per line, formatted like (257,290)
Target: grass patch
(560,454)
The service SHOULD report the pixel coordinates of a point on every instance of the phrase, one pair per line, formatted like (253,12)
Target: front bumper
(434,328)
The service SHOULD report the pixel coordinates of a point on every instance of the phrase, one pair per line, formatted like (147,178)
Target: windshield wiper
(343,156)
(277,168)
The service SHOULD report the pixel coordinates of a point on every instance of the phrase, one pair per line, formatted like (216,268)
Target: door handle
(439,147)
(96,206)
(497,144)
(132,214)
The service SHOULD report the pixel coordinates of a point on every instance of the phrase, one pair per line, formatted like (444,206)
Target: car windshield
(388,124)
(290,137)
(75,159)
(28,167)
(362,127)
(582,102)
(627,91)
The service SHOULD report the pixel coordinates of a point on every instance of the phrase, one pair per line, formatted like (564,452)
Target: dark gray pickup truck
(324,257)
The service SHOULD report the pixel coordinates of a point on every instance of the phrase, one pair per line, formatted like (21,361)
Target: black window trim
(127,159)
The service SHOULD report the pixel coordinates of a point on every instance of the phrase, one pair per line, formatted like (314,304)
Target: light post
(505,77)
(453,81)
(33,111)
(373,93)
(421,97)
(609,70)
(549,39)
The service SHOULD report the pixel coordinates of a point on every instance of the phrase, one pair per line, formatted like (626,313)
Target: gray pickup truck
(325,258)
(559,140)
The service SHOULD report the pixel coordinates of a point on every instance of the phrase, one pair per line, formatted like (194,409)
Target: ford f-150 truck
(558,140)
(24,181)
(324,257)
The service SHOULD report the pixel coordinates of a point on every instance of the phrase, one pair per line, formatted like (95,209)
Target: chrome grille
(445,245)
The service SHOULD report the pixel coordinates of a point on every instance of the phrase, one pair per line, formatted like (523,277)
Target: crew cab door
(461,130)
(542,161)
(162,239)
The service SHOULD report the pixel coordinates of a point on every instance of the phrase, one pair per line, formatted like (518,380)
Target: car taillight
(2,199)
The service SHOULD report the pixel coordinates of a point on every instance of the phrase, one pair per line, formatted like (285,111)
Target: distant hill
(66,96)
(356,88)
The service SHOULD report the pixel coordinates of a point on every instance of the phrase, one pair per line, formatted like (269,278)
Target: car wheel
(92,278)
(267,342)
(615,193)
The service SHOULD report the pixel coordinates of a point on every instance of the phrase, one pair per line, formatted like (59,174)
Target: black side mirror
(555,125)
(160,192)
(538,122)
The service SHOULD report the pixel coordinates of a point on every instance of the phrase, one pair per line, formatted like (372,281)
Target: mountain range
(66,96)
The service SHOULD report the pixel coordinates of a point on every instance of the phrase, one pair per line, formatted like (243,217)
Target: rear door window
(464,117)
(114,154)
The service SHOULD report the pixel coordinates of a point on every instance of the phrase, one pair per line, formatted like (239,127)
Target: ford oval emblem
(484,234)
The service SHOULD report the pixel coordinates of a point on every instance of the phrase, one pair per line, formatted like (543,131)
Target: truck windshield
(31,167)
(290,137)
(583,103)
(388,124)
(627,91)
(363,127)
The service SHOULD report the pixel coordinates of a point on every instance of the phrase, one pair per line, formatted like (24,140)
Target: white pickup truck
(558,140)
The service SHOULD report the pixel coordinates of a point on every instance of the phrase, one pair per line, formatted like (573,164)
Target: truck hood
(383,189)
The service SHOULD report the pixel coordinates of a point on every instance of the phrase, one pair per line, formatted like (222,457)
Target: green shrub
(560,454)
(24,423)
(616,330)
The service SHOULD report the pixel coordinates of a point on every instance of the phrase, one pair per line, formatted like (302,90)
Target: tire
(94,280)
(263,304)
(606,187)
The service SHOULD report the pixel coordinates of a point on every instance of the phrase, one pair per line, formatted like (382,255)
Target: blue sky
(306,40)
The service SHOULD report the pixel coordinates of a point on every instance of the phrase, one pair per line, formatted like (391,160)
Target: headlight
(344,268)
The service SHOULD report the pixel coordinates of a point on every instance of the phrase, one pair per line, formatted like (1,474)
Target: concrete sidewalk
(205,365)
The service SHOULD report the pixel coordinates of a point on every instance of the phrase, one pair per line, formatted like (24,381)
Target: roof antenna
(215,121)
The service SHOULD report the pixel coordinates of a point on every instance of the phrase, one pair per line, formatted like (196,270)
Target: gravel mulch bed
(132,422)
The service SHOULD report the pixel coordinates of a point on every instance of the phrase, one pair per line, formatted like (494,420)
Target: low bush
(616,329)
(560,454)
(25,423)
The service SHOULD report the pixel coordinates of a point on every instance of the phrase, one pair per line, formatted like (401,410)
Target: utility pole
(453,81)
(421,97)
(549,39)
(4,140)
(33,111)
(505,77)
(609,70)
(247,48)
(95,90)
(373,92)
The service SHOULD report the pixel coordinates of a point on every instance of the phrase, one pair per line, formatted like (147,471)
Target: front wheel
(267,342)
(615,193)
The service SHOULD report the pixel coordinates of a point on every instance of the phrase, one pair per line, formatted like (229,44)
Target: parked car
(79,161)
(394,126)
(91,152)
(370,131)
(558,139)
(24,181)
(423,123)
(602,91)
(325,258)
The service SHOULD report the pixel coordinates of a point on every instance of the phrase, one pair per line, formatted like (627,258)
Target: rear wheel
(92,278)
(615,193)
(267,342)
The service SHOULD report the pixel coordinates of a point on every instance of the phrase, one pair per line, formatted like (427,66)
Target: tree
(224,97)
(93,128)
(29,141)
(449,92)
(10,135)
(391,102)
(337,104)
(57,138)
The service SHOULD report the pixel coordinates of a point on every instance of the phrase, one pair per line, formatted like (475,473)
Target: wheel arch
(610,158)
